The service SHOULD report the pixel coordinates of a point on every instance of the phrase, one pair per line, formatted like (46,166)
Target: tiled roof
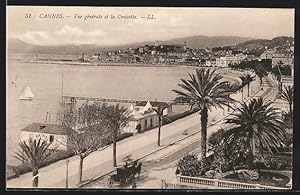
(49,128)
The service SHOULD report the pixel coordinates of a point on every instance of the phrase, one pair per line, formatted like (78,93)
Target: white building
(210,62)
(226,61)
(241,57)
(143,117)
(52,133)
(267,54)
(220,62)
(282,59)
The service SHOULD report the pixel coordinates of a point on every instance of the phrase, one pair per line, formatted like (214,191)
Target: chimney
(42,126)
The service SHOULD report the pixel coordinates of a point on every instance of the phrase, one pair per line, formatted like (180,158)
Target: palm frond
(34,152)
(204,89)
(259,119)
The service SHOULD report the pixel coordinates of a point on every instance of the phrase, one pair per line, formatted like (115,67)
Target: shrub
(274,162)
(123,136)
(167,120)
(189,165)
(215,141)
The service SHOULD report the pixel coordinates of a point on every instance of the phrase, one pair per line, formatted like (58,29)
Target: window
(145,124)
(51,138)
(151,123)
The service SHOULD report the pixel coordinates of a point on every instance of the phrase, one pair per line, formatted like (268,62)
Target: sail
(26,94)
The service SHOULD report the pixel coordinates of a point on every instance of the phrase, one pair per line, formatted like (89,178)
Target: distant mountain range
(194,42)
(17,45)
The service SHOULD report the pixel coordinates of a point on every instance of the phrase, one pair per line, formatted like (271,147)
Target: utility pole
(62,87)
(67,173)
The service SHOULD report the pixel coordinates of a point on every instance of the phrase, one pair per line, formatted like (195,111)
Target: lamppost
(67,173)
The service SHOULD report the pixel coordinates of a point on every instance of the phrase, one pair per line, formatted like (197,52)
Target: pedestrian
(133,185)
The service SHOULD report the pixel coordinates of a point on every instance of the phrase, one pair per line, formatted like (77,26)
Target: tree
(204,90)
(261,72)
(117,117)
(244,83)
(248,79)
(256,125)
(90,130)
(159,111)
(287,94)
(35,153)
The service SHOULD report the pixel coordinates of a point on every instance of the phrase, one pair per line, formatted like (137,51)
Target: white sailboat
(26,94)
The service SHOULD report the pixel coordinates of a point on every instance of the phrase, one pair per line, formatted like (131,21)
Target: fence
(184,182)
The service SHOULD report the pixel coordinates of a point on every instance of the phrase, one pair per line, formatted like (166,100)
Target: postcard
(149,97)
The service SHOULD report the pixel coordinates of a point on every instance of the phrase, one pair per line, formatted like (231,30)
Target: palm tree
(159,111)
(255,125)
(287,94)
(35,152)
(260,71)
(244,83)
(118,117)
(204,90)
(248,79)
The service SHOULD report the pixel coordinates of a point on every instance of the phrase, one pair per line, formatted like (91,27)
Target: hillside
(281,42)
(196,42)
(16,45)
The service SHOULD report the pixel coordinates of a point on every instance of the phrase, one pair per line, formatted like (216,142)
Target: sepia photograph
(149,98)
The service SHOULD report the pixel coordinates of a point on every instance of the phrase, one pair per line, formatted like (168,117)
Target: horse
(135,169)
(138,169)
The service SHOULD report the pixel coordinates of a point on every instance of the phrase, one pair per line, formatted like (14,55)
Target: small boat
(26,94)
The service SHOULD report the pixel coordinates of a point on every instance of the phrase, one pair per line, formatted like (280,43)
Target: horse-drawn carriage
(126,174)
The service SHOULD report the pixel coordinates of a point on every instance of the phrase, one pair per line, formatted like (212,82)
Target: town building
(143,117)
(154,104)
(267,54)
(210,62)
(52,133)
(226,61)
(220,62)
(202,62)
(174,59)
(241,57)
(141,50)
(282,59)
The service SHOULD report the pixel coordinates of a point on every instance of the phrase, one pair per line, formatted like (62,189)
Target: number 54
(28,15)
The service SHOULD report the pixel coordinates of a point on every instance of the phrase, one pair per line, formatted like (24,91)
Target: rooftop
(48,128)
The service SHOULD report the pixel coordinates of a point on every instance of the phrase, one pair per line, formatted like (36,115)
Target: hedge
(167,120)
(275,162)
(57,156)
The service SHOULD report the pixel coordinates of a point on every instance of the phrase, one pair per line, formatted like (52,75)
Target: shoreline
(74,63)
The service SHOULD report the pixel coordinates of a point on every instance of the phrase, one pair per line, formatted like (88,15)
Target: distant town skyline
(170,23)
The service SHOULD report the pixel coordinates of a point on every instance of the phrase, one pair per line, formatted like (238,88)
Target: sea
(48,82)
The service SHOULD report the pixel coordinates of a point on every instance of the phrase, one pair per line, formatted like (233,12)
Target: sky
(169,23)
